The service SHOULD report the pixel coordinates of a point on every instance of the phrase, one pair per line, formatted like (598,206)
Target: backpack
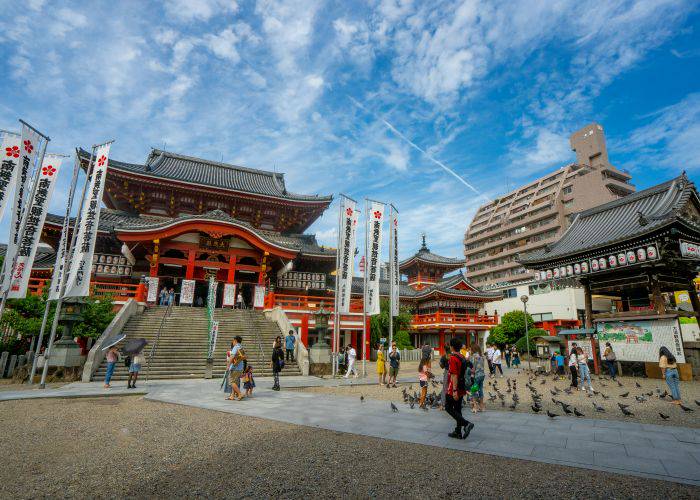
(462,377)
(127,361)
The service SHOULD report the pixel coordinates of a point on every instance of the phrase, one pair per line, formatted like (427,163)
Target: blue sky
(336,94)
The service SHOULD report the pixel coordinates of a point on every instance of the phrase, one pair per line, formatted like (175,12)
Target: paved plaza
(660,452)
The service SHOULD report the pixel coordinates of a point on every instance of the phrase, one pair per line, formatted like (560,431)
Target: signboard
(301,281)
(259,300)
(213,335)
(690,250)
(229,295)
(347,235)
(152,290)
(641,340)
(374,245)
(585,344)
(208,243)
(621,259)
(187,292)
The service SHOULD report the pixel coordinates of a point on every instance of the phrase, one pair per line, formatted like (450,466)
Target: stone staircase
(182,348)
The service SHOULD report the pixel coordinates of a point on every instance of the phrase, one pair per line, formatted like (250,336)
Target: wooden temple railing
(441,318)
(120,292)
(306,302)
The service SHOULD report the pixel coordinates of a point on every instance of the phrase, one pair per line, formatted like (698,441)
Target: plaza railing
(442,318)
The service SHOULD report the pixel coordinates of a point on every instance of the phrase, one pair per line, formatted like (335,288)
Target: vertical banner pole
(364,291)
(64,276)
(336,302)
(59,264)
(391,272)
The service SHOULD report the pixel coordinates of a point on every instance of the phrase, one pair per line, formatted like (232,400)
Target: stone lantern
(320,352)
(65,352)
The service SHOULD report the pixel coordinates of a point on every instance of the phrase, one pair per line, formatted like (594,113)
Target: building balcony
(499,228)
(619,186)
(452,320)
(555,224)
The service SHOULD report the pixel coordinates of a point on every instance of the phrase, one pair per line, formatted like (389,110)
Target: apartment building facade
(536,214)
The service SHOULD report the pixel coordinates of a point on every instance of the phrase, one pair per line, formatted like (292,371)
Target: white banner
(152,289)
(78,283)
(374,244)
(28,149)
(394,275)
(213,335)
(229,295)
(60,264)
(347,236)
(187,292)
(259,300)
(34,220)
(8,168)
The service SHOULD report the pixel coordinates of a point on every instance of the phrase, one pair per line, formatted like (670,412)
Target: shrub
(521,344)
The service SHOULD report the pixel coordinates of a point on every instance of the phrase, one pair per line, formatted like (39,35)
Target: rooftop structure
(536,214)
(425,268)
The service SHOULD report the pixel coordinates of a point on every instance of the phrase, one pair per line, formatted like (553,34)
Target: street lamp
(527,336)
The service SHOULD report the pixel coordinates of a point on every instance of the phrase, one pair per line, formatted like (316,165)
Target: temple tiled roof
(166,165)
(425,255)
(633,216)
(45,256)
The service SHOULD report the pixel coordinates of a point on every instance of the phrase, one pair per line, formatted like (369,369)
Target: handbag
(474,388)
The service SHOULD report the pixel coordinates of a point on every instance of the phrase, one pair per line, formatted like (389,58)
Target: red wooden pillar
(353,340)
(442,342)
(305,330)
(191,255)
(231,269)
(366,347)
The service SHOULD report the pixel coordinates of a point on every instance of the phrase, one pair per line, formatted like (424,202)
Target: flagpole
(364,293)
(23,220)
(69,251)
(57,263)
(391,271)
(336,302)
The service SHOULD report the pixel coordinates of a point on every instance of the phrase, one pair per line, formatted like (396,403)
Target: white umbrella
(113,340)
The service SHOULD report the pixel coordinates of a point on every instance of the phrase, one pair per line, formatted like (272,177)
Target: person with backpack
(610,358)
(456,390)
(277,364)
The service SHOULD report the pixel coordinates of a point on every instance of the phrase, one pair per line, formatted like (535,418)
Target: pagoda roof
(116,221)
(170,166)
(424,255)
(619,221)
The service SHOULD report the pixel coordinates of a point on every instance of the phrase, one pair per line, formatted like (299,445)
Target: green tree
(97,314)
(512,327)
(379,325)
(521,344)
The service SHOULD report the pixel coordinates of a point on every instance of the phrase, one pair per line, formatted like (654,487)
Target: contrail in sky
(416,146)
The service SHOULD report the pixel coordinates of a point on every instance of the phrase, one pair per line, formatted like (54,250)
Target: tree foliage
(97,314)
(521,344)
(512,327)
(379,326)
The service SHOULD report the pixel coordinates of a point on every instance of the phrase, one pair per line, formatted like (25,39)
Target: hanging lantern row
(612,261)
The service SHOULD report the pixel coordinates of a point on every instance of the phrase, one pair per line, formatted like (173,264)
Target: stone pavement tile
(583,427)
(508,448)
(633,464)
(687,436)
(695,455)
(556,434)
(660,453)
(411,436)
(540,440)
(616,436)
(686,469)
(444,441)
(570,456)
(618,424)
(480,433)
(673,445)
(585,443)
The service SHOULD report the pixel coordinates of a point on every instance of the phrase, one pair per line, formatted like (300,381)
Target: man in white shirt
(573,364)
(496,360)
(489,357)
(352,355)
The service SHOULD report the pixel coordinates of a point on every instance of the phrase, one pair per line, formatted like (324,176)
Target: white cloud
(223,45)
(397,155)
(547,149)
(199,10)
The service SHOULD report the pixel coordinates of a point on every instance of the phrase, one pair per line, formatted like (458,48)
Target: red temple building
(178,218)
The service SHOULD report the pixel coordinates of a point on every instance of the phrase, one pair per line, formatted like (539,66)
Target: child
(248,380)
(423,376)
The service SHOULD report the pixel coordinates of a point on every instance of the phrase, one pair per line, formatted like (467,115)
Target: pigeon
(625,395)
(412,404)
(394,408)
(663,395)
(697,402)
(551,415)
(599,409)
(362,398)
(641,399)
(638,385)
(622,407)
(626,412)
(685,408)
(543,382)
(578,413)
(665,417)
(650,394)
(604,396)
(619,384)
(566,410)
(568,391)
(536,409)
(512,407)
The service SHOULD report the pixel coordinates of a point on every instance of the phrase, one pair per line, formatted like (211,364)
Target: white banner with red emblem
(347,237)
(8,168)
(375,216)
(34,220)
(78,283)
(394,276)
(28,149)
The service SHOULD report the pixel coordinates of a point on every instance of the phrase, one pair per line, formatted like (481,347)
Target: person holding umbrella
(112,357)
(135,347)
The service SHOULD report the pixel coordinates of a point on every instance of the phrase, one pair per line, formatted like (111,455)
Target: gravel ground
(126,446)
(646,412)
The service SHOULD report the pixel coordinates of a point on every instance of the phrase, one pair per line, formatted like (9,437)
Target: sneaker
(455,434)
(467,429)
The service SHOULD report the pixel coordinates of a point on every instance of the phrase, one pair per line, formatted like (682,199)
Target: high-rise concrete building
(537,213)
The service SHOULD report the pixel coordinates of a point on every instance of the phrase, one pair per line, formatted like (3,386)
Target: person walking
(164,296)
(424,375)
(669,369)
(171,297)
(456,390)
(478,375)
(516,358)
(289,342)
(497,360)
(239,301)
(352,356)
(112,358)
(381,365)
(508,355)
(248,381)
(394,363)
(237,360)
(573,366)
(277,364)
(610,359)
(445,365)
(134,369)
(584,373)
(489,357)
